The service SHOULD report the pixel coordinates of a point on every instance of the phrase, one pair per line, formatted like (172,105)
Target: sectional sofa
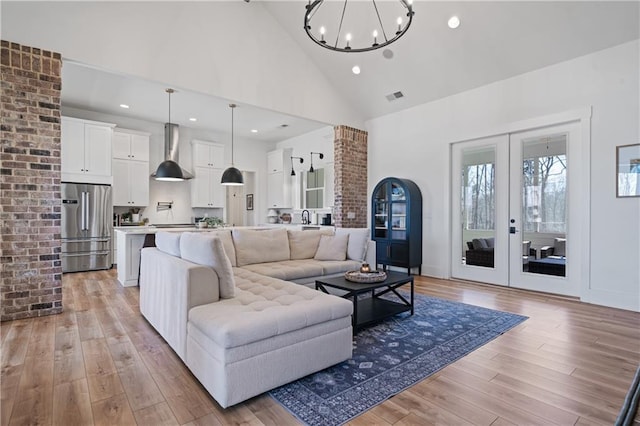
(231,304)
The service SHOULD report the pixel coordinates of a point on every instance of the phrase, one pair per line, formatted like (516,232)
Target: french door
(515,220)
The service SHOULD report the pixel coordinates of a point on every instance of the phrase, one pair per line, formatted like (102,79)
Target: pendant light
(232,176)
(169,170)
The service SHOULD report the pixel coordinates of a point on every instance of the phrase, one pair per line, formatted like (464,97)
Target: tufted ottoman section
(270,333)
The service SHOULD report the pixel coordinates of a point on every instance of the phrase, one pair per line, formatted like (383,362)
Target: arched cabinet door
(396,223)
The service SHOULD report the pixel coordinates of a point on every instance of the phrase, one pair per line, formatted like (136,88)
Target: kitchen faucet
(305,219)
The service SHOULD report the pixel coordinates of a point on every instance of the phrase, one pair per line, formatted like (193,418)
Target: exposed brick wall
(350,163)
(30,182)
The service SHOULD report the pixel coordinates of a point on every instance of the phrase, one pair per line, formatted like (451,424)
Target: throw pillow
(358,241)
(479,244)
(168,242)
(208,250)
(332,248)
(227,242)
(491,242)
(560,247)
(304,244)
(260,246)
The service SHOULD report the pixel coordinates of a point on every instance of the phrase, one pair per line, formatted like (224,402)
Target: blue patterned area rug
(392,356)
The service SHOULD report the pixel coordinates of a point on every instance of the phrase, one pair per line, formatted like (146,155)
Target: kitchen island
(129,241)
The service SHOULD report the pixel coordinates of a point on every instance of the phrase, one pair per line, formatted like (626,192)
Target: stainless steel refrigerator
(86,227)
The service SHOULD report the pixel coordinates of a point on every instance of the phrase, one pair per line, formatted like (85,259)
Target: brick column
(30,182)
(350,164)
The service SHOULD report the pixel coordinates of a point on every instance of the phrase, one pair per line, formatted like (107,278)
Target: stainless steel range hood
(170,170)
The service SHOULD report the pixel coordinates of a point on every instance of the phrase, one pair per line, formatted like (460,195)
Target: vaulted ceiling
(495,41)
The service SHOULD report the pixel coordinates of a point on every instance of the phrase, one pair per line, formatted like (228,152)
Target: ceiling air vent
(395,95)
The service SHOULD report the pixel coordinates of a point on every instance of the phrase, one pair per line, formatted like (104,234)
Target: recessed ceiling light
(355,70)
(454,22)
(254,131)
(125,106)
(193,119)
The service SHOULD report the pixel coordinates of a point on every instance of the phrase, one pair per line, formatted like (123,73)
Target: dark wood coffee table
(372,309)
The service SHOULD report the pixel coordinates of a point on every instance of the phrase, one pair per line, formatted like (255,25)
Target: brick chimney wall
(30,182)
(350,165)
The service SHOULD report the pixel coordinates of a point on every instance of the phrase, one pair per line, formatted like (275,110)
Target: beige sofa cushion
(168,242)
(264,308)
(332,247)
(260,246)
(304,244)
(227,243)
(358,239)
(288,269)
(207,249)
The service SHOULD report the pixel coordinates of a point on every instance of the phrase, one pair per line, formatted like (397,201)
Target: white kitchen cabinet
(207,154)
(130,183)
(130,145)
(206,189)
(279,179)
(86,150)
(130,168)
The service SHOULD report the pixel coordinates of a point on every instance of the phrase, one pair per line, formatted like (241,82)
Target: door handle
(86,211)
(83,206)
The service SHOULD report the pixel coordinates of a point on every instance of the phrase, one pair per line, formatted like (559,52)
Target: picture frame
(628,171)
(249,201)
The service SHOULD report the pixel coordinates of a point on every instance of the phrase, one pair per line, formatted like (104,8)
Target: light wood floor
(101,363)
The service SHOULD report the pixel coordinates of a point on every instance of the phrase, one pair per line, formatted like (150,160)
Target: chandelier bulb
(399,21)
(322,31)
(375,38)
(348,37)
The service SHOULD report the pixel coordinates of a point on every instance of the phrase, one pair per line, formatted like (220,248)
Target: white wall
(242,54)
(414,144)
(249,156)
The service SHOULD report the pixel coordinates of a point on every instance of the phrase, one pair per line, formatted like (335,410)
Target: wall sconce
(293,172)
(319,154)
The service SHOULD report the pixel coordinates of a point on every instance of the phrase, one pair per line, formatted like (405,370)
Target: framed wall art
(628,171)
(249,201)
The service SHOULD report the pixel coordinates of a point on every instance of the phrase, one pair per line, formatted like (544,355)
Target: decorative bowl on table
(365,277)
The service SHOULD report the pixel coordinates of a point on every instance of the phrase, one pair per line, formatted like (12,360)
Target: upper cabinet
(207,154)
(86,151)
(130,145)
(206,189)
(279,180)
(130,167)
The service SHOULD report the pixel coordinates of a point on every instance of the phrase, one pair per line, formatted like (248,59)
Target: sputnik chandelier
(336,31)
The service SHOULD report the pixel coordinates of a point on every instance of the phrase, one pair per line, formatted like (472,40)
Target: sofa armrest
(169,288)
(546,251)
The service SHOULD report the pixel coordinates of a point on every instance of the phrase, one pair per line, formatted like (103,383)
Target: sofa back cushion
(358,242)
(207,249)
(332,247)
(168,242)
(227,243)
(260,246)
(304,244)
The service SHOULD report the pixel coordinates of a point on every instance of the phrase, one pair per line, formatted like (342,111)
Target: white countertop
(132,230)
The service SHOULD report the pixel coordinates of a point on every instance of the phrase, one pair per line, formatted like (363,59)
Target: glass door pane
(544,205)
(478,218)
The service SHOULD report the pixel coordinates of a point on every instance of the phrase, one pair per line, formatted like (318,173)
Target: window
(314,189)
